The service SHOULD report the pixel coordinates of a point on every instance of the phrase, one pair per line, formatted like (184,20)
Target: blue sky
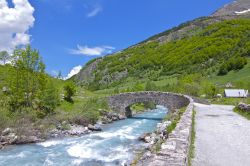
(69,33)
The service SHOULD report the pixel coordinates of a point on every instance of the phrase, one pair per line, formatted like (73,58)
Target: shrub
(234,63)
(70,90)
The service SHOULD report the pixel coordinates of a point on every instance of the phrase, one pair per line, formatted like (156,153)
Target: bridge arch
(121,103)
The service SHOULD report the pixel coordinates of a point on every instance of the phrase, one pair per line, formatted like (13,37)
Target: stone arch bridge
(121,103)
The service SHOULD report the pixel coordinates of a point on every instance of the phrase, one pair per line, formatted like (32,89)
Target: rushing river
(115,145)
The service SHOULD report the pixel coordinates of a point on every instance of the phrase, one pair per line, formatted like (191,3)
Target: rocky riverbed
(11,136)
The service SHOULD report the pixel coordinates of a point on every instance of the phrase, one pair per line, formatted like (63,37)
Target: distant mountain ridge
(159,55)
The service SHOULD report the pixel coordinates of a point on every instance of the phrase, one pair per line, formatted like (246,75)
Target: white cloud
(92,51)
(96,10)
(73,72)
(15,23)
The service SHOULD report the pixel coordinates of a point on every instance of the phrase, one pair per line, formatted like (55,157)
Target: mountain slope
(201,45)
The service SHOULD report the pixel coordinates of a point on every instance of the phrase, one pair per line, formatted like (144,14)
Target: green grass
(230,101)
(242,113)
(167,80)
(191,154)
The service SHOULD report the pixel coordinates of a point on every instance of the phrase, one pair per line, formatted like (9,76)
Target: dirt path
(222,137)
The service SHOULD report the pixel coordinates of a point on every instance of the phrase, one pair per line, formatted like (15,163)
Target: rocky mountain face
(236,8)
(99,69)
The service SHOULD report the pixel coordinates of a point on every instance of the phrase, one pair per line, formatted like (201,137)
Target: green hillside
(206,51)
(242,75)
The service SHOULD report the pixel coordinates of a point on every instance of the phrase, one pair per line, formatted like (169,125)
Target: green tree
(209,89)
(69,91)
(28,79)
(49,99)
(4,56)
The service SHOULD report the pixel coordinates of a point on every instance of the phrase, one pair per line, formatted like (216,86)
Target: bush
(50,99)
(70,90)
(235,63)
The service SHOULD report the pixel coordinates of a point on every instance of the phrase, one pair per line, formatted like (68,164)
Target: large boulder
(244,107)
(94,127)
(146,137)
(121,117)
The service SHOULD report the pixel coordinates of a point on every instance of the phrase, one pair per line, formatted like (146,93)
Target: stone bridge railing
(175,150)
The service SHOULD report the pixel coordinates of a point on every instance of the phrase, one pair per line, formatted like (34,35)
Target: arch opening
(139,107)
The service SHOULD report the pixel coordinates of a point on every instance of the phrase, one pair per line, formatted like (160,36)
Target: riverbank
(13,136)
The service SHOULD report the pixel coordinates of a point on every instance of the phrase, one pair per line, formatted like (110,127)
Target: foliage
(246,114)
(204,52)
(175,118)
(234,63)
(28,79)
(141,107)
(49,99)
(27,86)
(70,90)
(4,56)
(150,86)
(209,89)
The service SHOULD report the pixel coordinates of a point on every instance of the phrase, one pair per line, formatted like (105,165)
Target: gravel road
(222,137)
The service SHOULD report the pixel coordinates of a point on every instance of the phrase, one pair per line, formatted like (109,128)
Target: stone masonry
(174,151)
(120,103)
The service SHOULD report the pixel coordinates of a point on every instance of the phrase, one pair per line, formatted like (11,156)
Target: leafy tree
(69,91)
(49,98)
(29,78)
(4,56)
(209,89)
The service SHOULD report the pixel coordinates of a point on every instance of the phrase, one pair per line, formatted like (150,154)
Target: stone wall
(175,150)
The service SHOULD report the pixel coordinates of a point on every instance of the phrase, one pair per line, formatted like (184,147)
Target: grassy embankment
(242,113)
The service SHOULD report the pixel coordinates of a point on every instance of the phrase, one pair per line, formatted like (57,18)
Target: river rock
(7,131)
(13,140)
(28,139)
(77,130)
(94,127)
(121,117)
(114,118)
(161,127)
(142,137)
(146,155)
